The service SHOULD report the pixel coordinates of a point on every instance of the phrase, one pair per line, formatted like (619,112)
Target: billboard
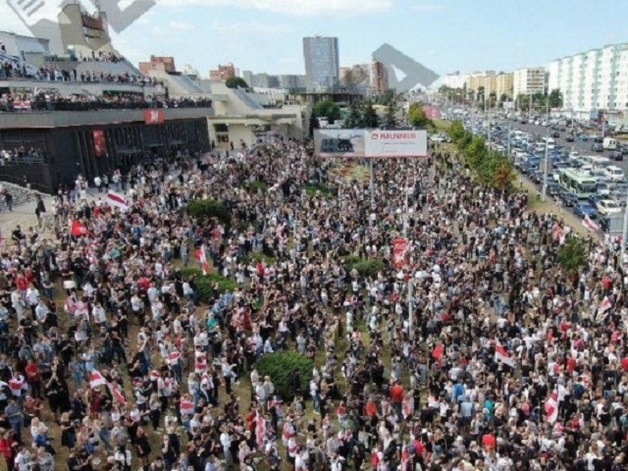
(381,143)
(339,142)
(154,116)
(100,147)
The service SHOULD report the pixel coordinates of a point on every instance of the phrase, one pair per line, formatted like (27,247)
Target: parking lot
(591,184)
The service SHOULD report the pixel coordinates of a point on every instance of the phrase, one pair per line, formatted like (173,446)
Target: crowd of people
(508,362)
(55,101)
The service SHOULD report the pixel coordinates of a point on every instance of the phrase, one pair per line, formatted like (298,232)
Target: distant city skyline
(444,35)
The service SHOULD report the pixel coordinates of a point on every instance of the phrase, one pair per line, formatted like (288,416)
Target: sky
(444,35)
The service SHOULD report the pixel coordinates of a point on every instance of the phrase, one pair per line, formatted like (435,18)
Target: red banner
(100,148)
(154,116)
(400,249)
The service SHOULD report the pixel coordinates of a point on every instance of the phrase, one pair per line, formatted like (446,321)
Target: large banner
(100,148)
(381,143)
(154,116)
(339,142)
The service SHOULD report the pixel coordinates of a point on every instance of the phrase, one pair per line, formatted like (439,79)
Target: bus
(580,184)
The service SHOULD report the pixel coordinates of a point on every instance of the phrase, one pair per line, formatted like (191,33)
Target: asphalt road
(584,148)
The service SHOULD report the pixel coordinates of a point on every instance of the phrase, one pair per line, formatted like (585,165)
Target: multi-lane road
(583,148)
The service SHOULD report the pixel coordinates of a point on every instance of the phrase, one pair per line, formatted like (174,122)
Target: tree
(556,99)
(236,82)
(327,109)
(354,120)
(417,116)
(523,102)
(390,119)
(285,369)
(573,255)
(369,116)
(456,131)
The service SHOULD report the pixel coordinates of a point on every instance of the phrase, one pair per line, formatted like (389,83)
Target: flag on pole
(551,408)
(502,355)
(96,379)
(589,224)
(117,200)
(203,260)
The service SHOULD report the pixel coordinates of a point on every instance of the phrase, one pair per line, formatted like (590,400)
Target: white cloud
(252,27)
(180,26)
(294,7)
(426,7)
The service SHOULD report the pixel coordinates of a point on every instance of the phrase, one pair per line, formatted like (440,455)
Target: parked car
(569,200)
(597,147)
(583,209)
(608,207)
(616,155)
(556,135)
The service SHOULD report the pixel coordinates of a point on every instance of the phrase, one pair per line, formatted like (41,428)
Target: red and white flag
(589,224)
(186,407)
(96,379)
(116,392)
(400,249)
(603,308)
(551,408)
(260,430)
(558,233)
(201,257)
(502,355)
(117,201)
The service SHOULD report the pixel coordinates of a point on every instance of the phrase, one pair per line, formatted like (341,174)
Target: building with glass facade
(321,64)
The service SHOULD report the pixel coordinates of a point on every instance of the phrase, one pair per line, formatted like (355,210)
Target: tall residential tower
(321,64)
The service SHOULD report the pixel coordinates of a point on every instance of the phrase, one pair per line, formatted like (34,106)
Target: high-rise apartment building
(529,81)
(321,63)
(593,81)
(378,77)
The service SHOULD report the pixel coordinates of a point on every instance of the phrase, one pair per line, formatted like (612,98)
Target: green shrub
(366,267)
(573,255)
(280,366)
(260,257)
(205,283)
(312,189)
(207,209)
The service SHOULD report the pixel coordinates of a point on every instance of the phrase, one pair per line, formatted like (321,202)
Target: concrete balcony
(56,119)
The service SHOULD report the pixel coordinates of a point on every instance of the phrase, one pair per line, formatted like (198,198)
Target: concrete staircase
(21,195)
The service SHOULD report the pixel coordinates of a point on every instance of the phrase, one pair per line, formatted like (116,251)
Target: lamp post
(545,164)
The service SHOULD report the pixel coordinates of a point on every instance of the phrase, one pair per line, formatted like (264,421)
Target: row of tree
(491,168)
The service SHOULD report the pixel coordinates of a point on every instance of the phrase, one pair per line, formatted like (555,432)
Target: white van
(607,207)
(614,173)
(609,143)
(549,142)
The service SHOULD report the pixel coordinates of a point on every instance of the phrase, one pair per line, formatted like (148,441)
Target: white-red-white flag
(96,379)
(502,355)
(117,200)
(400,249)
(116,392)
(203,260)
(589,224)
(260,430)
(551,408)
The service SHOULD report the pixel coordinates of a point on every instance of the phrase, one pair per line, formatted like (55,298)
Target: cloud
(180,26)
(294,7)
(426,7)
(252,27)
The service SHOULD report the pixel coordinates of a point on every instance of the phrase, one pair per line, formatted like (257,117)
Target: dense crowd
(508,363)
(50,101)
